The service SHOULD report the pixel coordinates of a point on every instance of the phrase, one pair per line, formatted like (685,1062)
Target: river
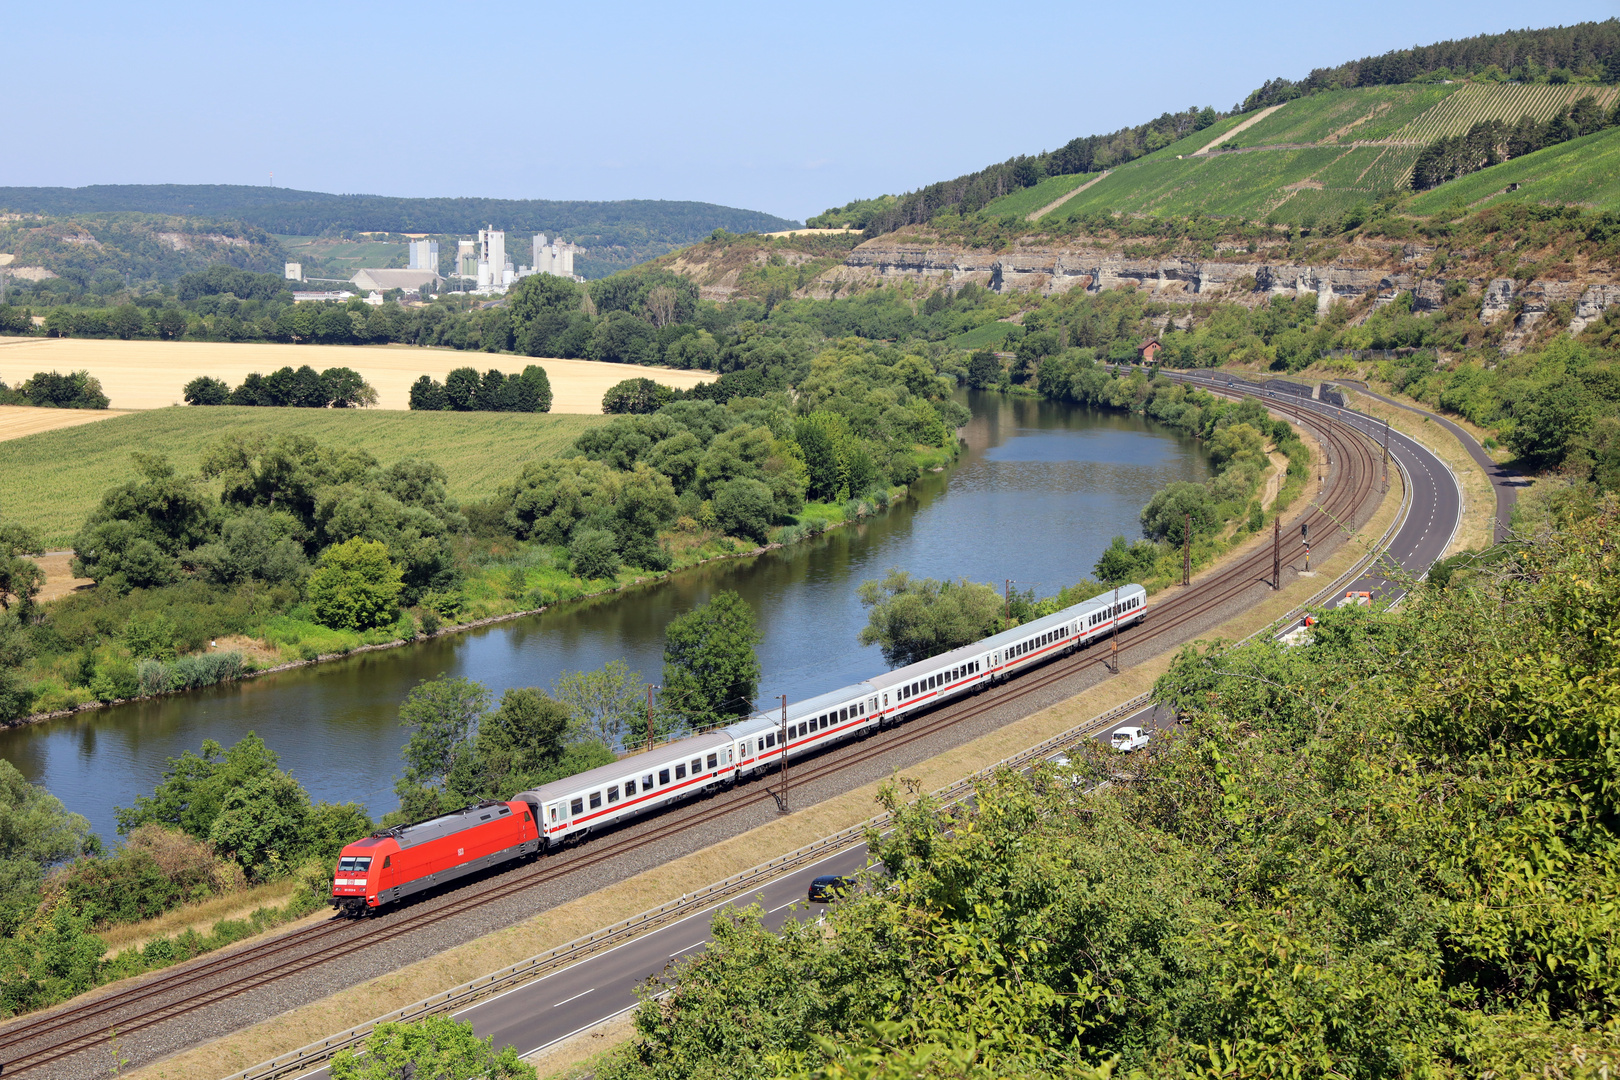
(1037,496)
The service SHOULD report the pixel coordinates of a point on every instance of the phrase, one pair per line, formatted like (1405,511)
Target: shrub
(593,553)
(356,586)
(636,396)
(204,390)
(743,507)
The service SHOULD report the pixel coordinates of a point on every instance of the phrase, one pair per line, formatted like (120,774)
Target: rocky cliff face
(1383,272)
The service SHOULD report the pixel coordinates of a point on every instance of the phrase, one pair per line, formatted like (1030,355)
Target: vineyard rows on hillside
(1476,103)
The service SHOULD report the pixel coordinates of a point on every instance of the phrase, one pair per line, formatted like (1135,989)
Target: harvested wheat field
(19,420)
(151,374)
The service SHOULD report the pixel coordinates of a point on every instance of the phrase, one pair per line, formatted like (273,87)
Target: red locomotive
(394,863)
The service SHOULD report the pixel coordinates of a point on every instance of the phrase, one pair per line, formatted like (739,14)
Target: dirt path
(1224,136)
(1036,215)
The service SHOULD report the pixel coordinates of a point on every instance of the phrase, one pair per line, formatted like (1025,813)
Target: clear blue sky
(783,108)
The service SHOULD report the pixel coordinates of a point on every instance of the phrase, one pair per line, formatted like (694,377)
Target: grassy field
(152,374)
(51,481)
(987,336)
(1584,170)
(340,258)
(1370,113)
(1033,198)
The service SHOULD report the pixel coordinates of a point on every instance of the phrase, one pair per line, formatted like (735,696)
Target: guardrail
(555,959)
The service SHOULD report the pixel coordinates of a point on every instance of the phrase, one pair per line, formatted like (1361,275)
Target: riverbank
(690,872)
(492,595)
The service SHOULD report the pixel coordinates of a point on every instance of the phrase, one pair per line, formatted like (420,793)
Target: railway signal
(1276,552)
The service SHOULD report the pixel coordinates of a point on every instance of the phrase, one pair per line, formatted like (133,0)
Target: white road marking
(689,948)
(774,910)
(576,997)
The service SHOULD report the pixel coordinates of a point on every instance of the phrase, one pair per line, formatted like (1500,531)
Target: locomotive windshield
(349,864)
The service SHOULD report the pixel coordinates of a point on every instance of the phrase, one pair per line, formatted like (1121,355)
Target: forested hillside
(1356,147)
(616,234)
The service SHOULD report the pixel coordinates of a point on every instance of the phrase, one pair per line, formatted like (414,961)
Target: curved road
(600,987)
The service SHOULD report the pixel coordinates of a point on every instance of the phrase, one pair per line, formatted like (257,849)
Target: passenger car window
(714,759)
(663,776)
(596,799)
(613,793)
(576,806)
(680,772)
(646,782)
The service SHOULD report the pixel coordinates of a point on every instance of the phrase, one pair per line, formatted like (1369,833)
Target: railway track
(30,1045)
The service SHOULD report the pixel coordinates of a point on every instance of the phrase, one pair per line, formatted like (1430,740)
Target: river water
(1038,495)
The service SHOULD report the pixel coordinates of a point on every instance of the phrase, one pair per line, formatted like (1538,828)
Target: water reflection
(1038,495)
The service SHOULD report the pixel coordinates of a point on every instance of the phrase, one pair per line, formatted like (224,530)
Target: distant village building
(319,297)
(295,272)
(1148,351)
(383,280)
(374,299)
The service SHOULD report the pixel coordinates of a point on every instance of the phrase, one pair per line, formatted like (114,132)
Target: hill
(105,251)
(616,234)
(1378,113)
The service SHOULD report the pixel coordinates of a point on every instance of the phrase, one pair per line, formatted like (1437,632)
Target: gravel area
(244,1009)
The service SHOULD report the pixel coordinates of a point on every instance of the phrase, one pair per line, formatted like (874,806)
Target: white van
(1126,739)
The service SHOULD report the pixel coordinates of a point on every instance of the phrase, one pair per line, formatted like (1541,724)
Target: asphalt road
(599,987)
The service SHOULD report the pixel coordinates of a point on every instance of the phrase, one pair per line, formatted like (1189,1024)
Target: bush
(356,586)
(78,390)
(593,553)
(207,391)
(743,507)
(636,396)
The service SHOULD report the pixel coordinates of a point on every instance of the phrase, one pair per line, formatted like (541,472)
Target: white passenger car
(1126,739)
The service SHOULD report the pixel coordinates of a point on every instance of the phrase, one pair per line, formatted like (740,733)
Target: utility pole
(1305,536)
(1113,653)
(1386,456)
(650,689)
(782,799)
(1276,552)
(1186,551)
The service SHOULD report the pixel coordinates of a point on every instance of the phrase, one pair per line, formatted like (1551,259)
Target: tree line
(336,388)
(53,390)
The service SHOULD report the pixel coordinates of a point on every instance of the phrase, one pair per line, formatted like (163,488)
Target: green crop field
(987,336)
(51,481)
(1031,199)
(340,258)
(1584,170)
(1364,112)
(1478,102)
(1236,184)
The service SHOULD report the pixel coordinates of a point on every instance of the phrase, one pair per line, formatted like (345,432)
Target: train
(392,864)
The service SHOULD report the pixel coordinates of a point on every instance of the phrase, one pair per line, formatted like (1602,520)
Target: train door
(387,878)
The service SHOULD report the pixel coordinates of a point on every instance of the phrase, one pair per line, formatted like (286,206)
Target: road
(538,1014)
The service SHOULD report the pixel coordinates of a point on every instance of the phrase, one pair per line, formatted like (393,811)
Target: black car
(830,888)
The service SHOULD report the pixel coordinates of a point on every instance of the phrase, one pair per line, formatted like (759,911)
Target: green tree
(204,390)
(711,671)
(1166,515)
(461,388)
(605,703)
(984,370)
(744,507)
(20,578)
(437,1048)
(912,619)
(261,825)
(356,586)
(1122,562)
(636,396)
(593,554)
(345,389)
(135,537)
(194,786)
(428,394)
(36,833)
(443,715)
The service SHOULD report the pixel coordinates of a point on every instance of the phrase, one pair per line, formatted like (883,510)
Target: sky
(788,109)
